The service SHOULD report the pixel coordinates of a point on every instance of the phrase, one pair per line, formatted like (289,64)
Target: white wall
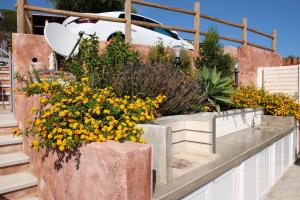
(253,178)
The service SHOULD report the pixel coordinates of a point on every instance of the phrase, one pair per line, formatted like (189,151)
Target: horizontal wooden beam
(260,33)
(152,25)
(154,5)
(259,46)
(74,14)
(224,38)
(221,21)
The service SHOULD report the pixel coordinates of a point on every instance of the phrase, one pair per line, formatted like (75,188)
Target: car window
(158,30)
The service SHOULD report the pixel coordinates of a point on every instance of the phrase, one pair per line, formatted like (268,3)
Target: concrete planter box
(177,136)
(107,170)
(199,131)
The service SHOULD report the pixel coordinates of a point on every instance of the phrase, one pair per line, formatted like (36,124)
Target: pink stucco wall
(26,47)
(107,171)
(249,59)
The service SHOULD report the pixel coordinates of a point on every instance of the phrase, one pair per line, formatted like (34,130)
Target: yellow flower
(61,148)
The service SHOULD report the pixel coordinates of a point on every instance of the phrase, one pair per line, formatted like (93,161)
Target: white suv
(105,30)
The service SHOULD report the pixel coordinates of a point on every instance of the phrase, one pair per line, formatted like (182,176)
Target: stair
(16,180)
(4,84)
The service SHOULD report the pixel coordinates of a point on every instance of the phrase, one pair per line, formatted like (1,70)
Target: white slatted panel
(282,79)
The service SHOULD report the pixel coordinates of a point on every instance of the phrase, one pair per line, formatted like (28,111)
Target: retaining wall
(27,46)
(108,170)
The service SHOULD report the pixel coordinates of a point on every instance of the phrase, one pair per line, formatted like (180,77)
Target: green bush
(101,68)
(212,54)
(217,89)
(166,56)
(146,79)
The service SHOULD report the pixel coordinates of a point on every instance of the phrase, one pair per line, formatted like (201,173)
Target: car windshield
(158,30)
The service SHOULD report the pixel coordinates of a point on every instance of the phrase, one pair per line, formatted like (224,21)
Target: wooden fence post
(128,21)
(20,16)
(274,40)
(197,27)
(28,21)
(244,34)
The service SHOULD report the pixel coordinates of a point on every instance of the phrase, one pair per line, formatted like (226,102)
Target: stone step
(13,163)
(5,107)
(5,86)
(7,130)
(10,140)
(4,82)
(4,72)
(5,93)
(7,119)
(17,181)
(10,159)
(10,143)
(5,78)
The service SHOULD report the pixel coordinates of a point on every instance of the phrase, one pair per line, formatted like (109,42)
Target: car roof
(108,14)
(112,14)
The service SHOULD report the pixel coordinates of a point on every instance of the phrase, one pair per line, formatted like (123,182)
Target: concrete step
(10,143)
(5,86)
(17,181)
(4,72)
(13,163)
(5,93)
(5,78)
(10,159)
(10,140)
(7,119)
(4,82)
(7,130)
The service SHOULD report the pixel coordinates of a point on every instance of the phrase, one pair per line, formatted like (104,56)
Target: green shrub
(146,79)
(212,54)
(217,89)
(166,56)
(101,68)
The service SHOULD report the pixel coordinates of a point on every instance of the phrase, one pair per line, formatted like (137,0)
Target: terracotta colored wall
(250,58)
(107,171)
(28,46)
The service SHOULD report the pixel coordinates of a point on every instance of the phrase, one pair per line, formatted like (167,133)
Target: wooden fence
(24,22)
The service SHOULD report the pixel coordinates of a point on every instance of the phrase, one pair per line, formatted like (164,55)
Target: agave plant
(216,88)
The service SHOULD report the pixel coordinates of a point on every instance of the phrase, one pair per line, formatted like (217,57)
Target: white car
(105,30)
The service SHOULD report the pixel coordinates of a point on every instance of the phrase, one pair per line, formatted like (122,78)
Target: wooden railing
(24,22)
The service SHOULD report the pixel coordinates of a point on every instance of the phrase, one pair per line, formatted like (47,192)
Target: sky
(262,15)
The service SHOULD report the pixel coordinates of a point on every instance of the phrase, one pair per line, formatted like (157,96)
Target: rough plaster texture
(25,47)
(107,171)
(249,59)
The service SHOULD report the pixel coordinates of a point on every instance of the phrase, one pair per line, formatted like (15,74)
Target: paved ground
(288,187)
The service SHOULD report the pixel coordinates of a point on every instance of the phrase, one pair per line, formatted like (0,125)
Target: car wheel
(112,36)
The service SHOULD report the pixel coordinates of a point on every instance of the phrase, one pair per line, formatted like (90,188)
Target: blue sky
(263,15)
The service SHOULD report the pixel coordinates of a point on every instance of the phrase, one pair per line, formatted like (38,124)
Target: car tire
(114,35)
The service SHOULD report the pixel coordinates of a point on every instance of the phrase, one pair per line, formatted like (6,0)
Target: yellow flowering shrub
(276,104)
(72,113)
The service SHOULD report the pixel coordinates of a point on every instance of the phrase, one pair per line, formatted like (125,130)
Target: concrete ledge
(232,150)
